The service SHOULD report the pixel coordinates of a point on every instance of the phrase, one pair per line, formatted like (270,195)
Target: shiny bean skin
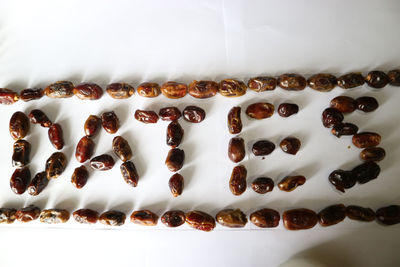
(20,180)
(175,159)
(56,136)
(19,125)
(360,213)
(372,154)
(203,89)
(322,82)
(146,116)
(287,109)
(103,162)
(92,125)
(344,129)
(342,180)
(234,120)
(377,79)
(344,104)
(194,114)
(148,89)
(299,219)
(60,89)
(366,139)
(31,94)
(265,218)
(27,214)
(263,148)
(21,152)
(366,172)
(79,177)
(84,149)
(236,149)
(290,183)
(394,76)
(261,84)
(38,183)
(232,218)
(174,134)
(54,216)
(169,114)
(37,116)
(290,145)
(88,91)
(8,97)
(122,148)
(259,111)
(350,80)
(237,182)
(367,103)
(331,117)
(173,218)
(86,216)
(262,185)
(120,90)
(232,88)
(332,215)
(7,215)
(129,173)
(55,165)
(110,122)
(292,82)
(174,90)
(389,215)
(176,184)
(144,217)
(112,218)
(200,220)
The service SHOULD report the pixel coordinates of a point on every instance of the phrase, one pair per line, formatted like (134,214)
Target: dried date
(122,148)
(110,122)
(7,215)
(342,179)
(120,90)
(344,129)
(367,103)
(175,159)
(299,219)
(394,76)
(19,180)
(262,185)
(19,125)
(8,97)
(144,217)
(290,145)
(176,184)
(287,109)
(60,89)
(265,218)
(290,183)
(263,148)
(237,182)
(55,165)
(200,220)
(31,94)
(79,177)
(37,116)
(21,151)
(129,173)
(169,114)
(88,91)
(234,120)
(372,154)
(261,84)
(292,82)
(203,89)
(366,172)
(344,104)
(146,116)
(174,90)
(236,149)
(27,214)
(332,215)
(232,88)
(389,215)
(38,183)
(366,139)
(322,82)
(331,117)
(84,149)
(93,124)
(56,136)
(194,114)
(103,162)
(259,111)
(54,216)
(377,79)
(86,216)
(174,134)
(173,218)
(112,218)
(233,218)
(360,213)
(148,89)
(350,80)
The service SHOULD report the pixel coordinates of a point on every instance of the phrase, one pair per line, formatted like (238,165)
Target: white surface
(139,41)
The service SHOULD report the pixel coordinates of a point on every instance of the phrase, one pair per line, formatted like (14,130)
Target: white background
(136,41)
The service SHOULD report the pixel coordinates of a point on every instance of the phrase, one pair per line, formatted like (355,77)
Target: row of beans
(204,89)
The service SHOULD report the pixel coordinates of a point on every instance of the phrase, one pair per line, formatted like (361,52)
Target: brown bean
(332,215)
(233,218)
(112,218)
(360,213)
(263,148)
(55,165)
(261,110)
(38,117)
(86,216)
(21,151)
(56,136)
(194,114)
(261,84)
(389,215)
(237,182)
(60,89)
(234,120)
(200,220)
(27,214)
(122,148)
(174,134)
(175,159)
(394,76)
(292,82)
(144,217)
(8,97)
(236,149)
(92,125)
(367,103)
(79,177)
(290,183)
(129,173)
(344,129)
(110,122)
(331,117)
(299,219)
(173,218)
(203,89)
(265,218)
(148,89)
(366,172)
(31,94)
(146,116)
(7,215)
(88,91)
(377,79)
(38,183)
(103,162)
(322,82)
(232,88)
(54,216)
(176,184)
(174,90)
(262,185)
(366,139)
(372,154)
(350,80)
(84,149)
(287,109)
(19,125)
(290,145)
(344,104)
(19,180)
(120,90)
(342,179)
(169,114)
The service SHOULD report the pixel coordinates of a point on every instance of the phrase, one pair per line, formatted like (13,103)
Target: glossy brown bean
(88,91)
(299,219)
(262,185)
(56,138)
(290,183)
(332,215)
(110,122)
(394,76)
(265,218)
(103,162)
(377,79)
(236,149)
(176,184)
(148,89)
(331,117)
(263,148)
(174,90)
(342,180)
(86,216)
(60,89)
(366,139)
(367,103)
(144,217)
(344,129)
(37,116)
(79,177)
(129,173)
(203,89)
(360,213)
(146,116)
(7,215)
(200,220)
(366,172)
(20,180)
(21,152)
(112,218)
(322,82)
(30,94)
(27,214)
(232,88)
(344,104)
(237,182)
(55,165)
(292,82)
(290,145)
(173,218)
(174,134)
(232,218)
(287,109)
(261,84)
(19,125)
(372,154)
(122,148)
(194,114)
(84,149)
(120,90)
(389,215)
(259,111)
(8,97)
(175,159)
(92,125)
(234,120)
(54,216)
(350,80)
(38,183)
(169,114)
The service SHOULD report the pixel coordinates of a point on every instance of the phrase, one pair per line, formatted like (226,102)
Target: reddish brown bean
(176,184)
(31,94)
(237,182)
(19,125)
(92,125)
(84,149)
(299,219)
(103,162)
(174,90)
(263,148)
(129,173)
(174,134)
(20,180)
(86,216)
(232,218)
(366,139)
(60,89)
(110,122)
(265,218)
(236,149)
(120,90)
(203,89)
(38,117)
(175,159)
(290,183)
(322,82)
(88,91)
(367,103)
(262,185)
(292,82)
(287,109)
(112,218)
(377,79)
(21,151)
(122,148)
(234,120)
(79,177)
(332,215)
(350,80)
(366,172)
(261,84)
(360,213)
(372,154)
(146,116)
(344,129)
(8,97)
(148,89)
(342,180)
(389,215)
(173,218)
(169,114)
(331,117)
(259,111)
(290,145)
(55,165)
(54,216)
(232,88)
(200,220)
(194,114)
(38,183)
(7,215)
(394,76)
(56,136)
(144,217)
(344,104)
(27,214)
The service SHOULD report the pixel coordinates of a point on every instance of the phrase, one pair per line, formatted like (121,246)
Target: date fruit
(19,125)
(84,149)
(120,90)
(232,88)
(290,183)
(27,214)
(60,89)
(103,162)
(332,215)
(129,173)
(194,114)
(174,90)
(287,109)
(360,213)
(292,82)
(263,148)
(7,215)
(233,218)
(344,129)
(79,177)
(31,94)
(176,184)
(394,76)
(144,217)
(290,145)
(342,179)
(93,124)
(299,219)
(38,183)
(54,216)
(237,182)
(56,136)
(19,180)
(372,154)
(367,103)
(350,80)
(173,218)
(112,218)
(344,104)
(122,148)
(366,139)
(366,172)
(389,215)
(203,89)
(331,117)
(259,111)
(110,122)
(88,91)
(175,159)
(262,185)
(265,218)
(236,149)
(169,114)
(377,79)
(8,97)
(322,82)
(146,116)
(234,120)
(86,216)
(200,220)
(37,116)
(55,165)
(261,84)
(174,134)
(148,89)
(21,151)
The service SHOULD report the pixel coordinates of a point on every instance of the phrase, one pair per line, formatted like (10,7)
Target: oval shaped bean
(350,80)
(7,215)
(344,104)
(389,215)
(344,129)
(174,90)
(19,125)
(377,79)
(261,84)
(122,148)
(27,214)
(236,149)
(232,88)
(144,217)
(56,136)
(366,172)
(203,89)
(173,218)
(322,82)
(146,116)
(394,76)
(262,185)
(120,90)
(112,218)
(299,219)
(342,179)
(110,122)
(21,151)
(176,184)
(263,148)
(148,89)
(292,82)
(372,154)
(234,120)
(103,162)
(169,114)
(290,145)
(84,149)
(331,117)
(332,215)
(259,111)
(31,94)
(88,91)
(265,218)
(360,213)
(237,182)
(38,183)
(287,109)
(92,125)
(129,173)
(55,165)
(54,216)
(8,97)
(79,177)
(86,216)
(232,218)
(19,180)
(366,139)
(175,159)
(290,183)
(60,89)
(37,116)
(174,134)
(367,103)
(194,114)
(200,220)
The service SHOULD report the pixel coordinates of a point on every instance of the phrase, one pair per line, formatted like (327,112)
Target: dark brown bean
(38,117)
(19,125)
(261,84)
(86,216)
(394,76)
(54,216)
(200,220)
(234,120)
(146,116)
(120,90)
(175,159)
(103,162)
(360,213)
(367,103)
(332,215)
(232,88)
(290,145)
(148,89)
(20,180)
(372,154)
(366,172)
(113,218)
(144,217)
(93,124)
(27,214)
(350,80)
(203,89)
(299,219)
(38,183)
(56,136)
(21,151)
(129,173)
(344,129)
(259,111)
(60,89)
(331,117)
(322,82)
(7,215)
(286,109)
(263,148)
(344,104)
(8,97)
(389,215)
(79,177)
(290,183)
(292,82)
(122,148)
(342,179)
(262,185)
(55,165)
(84,149)
(31,94)
(174,134)
(110,122)
(174,90)
(88,91)
(233,218)
(176,184)
(366,139)
(173,218)
(377,79)
(194,114)
(265,218)
(237,183)
(169,114)
(236,150)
